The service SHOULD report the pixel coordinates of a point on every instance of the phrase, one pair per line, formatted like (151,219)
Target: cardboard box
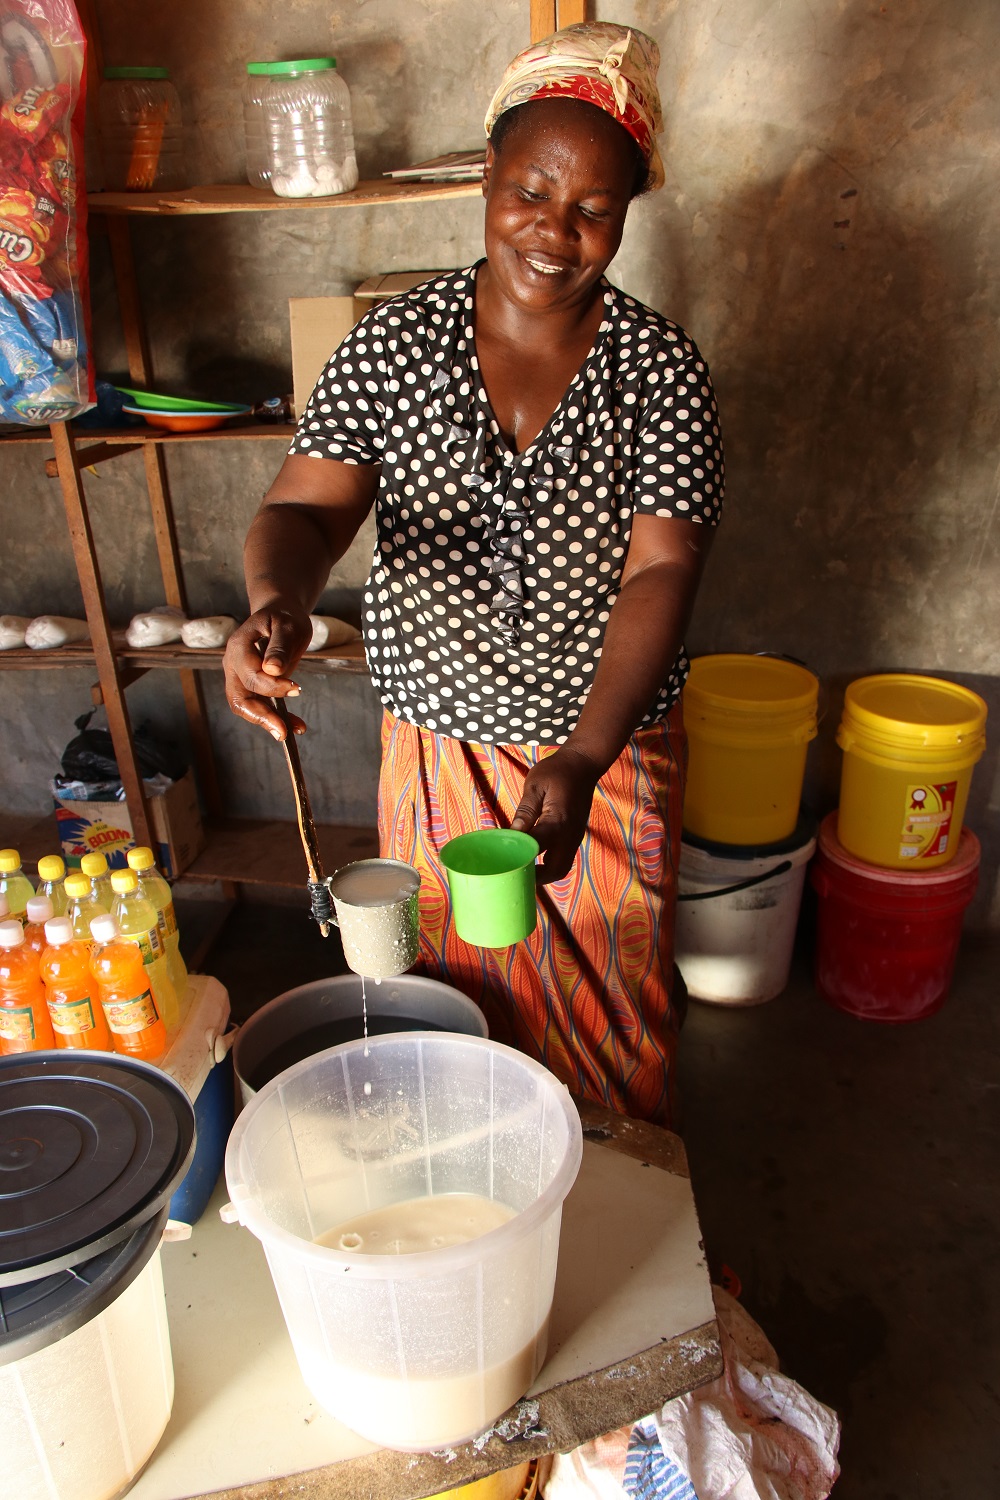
(318,324)
(106,828)
(389,284)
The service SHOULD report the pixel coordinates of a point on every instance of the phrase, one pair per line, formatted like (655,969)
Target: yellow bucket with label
(909,745)
(749,720)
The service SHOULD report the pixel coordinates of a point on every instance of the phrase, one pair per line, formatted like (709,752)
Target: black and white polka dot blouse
(495,572)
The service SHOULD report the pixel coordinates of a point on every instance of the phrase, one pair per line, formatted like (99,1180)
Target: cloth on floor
(753,1434)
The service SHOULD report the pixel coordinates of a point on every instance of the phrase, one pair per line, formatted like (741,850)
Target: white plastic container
(310,135)
(141,130)
(735,947)
(254,126)
(81,1415)
(413,1351)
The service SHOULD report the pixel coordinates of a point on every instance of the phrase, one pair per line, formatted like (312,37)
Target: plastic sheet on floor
(753,1434)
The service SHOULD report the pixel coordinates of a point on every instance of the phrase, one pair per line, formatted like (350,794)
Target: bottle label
(149,943)
(125,1017)
(72,1017)
(169,920)
(17,1023)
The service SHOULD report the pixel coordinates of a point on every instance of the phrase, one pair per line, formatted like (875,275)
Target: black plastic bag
(91,755)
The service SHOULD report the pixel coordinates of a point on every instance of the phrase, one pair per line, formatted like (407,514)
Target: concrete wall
(827,234)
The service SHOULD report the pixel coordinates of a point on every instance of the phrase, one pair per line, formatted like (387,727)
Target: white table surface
(631,1274)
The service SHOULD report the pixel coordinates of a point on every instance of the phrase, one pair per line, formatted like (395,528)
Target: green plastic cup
(491,874)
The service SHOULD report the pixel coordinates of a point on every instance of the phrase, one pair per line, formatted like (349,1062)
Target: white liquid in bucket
(424,1412)
(419,1224)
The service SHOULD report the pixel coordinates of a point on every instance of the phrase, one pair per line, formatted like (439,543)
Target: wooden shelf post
(89,573)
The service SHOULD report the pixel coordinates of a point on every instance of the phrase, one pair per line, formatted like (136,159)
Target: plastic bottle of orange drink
(82,905)
(38,911)
(24,1019)
(51,874)
(14,884)
(123,988)
(70,990)
(155,889)
(95,867)
(136,918)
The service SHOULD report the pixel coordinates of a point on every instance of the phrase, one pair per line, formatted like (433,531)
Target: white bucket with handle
(737,912)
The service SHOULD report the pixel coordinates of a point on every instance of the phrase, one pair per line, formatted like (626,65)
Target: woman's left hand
(554,808)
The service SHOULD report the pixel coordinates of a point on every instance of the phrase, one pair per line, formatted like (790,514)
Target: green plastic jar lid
(301,65)
(136,73)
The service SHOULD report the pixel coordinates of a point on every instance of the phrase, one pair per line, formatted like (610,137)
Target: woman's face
(556,198)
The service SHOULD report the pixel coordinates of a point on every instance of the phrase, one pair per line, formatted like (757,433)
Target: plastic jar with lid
(141,132)
(254,128)
(307,115)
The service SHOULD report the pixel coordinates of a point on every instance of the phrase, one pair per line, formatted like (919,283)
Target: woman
(543,455)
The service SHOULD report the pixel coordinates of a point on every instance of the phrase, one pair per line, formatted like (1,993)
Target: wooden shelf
(132,437)
(245,851)
(349,658)
(268,851)
(237,198)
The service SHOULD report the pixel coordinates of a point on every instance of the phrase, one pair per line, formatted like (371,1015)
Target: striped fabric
(589,992)
(650,1474)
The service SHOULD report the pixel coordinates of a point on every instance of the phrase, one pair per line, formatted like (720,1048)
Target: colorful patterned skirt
(589,992)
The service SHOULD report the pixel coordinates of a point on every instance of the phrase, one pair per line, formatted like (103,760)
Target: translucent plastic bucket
(737,912)
(909,745)
(749,720)
(86,1377)
(412,1351)
(887,940)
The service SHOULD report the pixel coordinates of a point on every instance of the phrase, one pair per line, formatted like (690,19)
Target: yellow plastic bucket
(909,745)
(749,721)
(518,1483)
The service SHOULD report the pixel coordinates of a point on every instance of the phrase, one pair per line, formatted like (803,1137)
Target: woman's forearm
(287,557)
(644,635)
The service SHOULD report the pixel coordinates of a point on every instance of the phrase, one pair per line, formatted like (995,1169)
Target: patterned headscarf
(601,63)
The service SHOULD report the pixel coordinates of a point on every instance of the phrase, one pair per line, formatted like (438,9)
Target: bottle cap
(10,861)
(39,909)
(124,881)
(11,934)
(140,858)
(51,867)
(59,930)
(94,864)
(104,929)
(76,885)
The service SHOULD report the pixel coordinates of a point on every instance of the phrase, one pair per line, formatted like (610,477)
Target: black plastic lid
(91,1148)
(805,829)
(38,1313)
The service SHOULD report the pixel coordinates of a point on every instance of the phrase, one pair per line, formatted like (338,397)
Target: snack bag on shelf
(45,373)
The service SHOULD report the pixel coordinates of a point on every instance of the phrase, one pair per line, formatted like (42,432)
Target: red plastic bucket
(888,939)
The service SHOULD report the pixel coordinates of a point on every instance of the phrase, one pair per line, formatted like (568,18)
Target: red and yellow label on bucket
(929,816)
(910,744)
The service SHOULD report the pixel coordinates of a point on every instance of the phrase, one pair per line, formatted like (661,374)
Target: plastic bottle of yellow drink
(24,1018)
(153,886)
(95,866)
(82,905)
(77,1017)
(126,998)
(51,874)
(38,912)
(136,918)
(14,884)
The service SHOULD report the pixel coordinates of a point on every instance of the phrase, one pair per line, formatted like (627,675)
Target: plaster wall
(826,234)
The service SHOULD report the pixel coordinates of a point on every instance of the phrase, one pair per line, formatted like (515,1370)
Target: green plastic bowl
(150,401)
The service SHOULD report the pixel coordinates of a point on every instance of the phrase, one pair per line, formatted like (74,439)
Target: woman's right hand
(259,656)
